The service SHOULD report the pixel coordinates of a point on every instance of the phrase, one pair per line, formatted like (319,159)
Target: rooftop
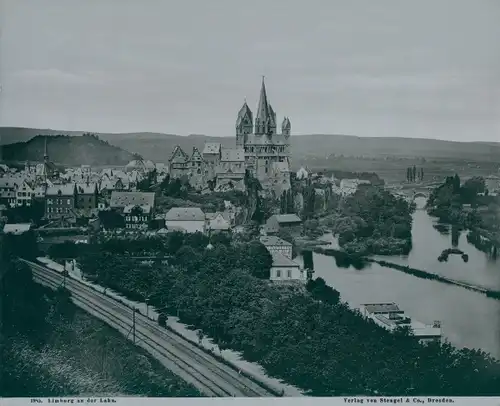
(212,148)
(280,260)
(146,208)
(382,308)
(85,188)
(16,228)
(233,155)
(185,214)
(271,240)
(67,189)
(287,218)
(122,199)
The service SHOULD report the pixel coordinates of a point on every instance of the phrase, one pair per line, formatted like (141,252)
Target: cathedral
(259,148)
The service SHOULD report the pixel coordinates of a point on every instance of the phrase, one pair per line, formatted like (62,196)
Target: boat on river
(390,317)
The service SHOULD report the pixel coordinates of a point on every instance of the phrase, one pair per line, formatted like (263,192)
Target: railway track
(209,375)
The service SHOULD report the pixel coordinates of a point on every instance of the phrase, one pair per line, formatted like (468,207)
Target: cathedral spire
(264,116)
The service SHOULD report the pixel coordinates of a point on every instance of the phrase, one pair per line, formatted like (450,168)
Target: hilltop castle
(259,149)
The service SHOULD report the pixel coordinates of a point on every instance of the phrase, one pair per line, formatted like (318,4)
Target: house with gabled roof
(178,163)
(25,193)
(190,219)
(277,222)
(60,201)
(218,221)
(87,195)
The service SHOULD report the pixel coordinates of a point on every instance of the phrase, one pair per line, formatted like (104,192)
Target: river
(468,319)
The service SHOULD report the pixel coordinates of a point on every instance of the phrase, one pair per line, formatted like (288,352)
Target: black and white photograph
(238,199)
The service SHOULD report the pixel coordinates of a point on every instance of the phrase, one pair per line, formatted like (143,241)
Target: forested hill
(87,149)
(306,149)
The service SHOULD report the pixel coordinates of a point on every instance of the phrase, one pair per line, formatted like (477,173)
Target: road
(212,377)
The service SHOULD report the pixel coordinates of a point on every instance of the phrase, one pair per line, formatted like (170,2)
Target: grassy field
(393,170)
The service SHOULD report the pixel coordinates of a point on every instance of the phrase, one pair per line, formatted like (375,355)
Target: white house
(285,269)
(16,228)
(277,245)
(191,219)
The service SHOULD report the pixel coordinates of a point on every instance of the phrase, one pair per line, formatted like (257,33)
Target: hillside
(306,149)
(66,150)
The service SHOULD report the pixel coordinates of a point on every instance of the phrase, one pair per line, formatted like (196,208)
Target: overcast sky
(370,68)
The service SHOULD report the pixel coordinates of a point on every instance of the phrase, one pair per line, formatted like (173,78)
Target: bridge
(410,193)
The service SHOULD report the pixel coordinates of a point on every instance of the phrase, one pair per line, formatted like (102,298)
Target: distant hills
(66,150)
(305,148)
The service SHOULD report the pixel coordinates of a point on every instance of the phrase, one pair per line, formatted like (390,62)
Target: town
(161,240)
(251,200)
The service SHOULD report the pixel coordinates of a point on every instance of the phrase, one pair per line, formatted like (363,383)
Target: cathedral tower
(286,127)
(244,124)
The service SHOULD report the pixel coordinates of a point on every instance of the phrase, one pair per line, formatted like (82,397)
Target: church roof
(263,111)
(244,112)
(212,148)
(233,155)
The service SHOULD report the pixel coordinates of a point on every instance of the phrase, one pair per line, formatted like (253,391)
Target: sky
(396,68)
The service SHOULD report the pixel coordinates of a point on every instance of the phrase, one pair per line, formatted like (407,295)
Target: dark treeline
(224,292)
(413,174)
(468,206)
(49,348)
(373,221)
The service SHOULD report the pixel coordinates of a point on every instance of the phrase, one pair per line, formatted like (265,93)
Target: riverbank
(345,259)
(242,312)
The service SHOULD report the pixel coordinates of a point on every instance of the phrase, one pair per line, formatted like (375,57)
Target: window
(289,273)
(278,274)
(69,201)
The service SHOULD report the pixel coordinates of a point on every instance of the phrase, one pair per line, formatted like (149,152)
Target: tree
(23,246)
(309,201)
(256,258)
(111,219)
(456,184)
(472,187)
(65,250)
